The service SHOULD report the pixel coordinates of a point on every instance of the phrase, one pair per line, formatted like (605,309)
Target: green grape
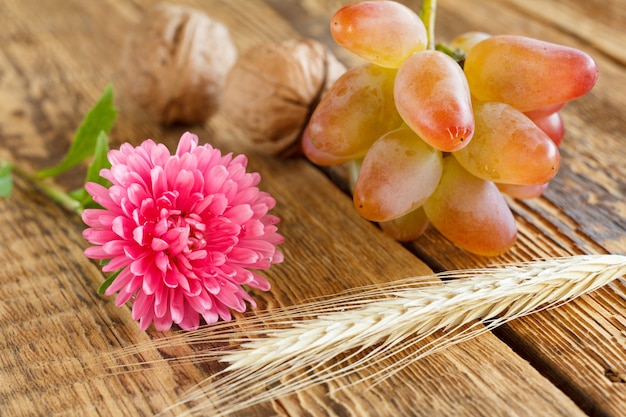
(466,41)
(526,73)
(408,227)
(508,147)
(382,32)
(433,98)
(471,212)
(357,109)
(397,175)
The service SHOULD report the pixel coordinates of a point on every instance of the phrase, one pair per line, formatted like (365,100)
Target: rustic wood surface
(57,56)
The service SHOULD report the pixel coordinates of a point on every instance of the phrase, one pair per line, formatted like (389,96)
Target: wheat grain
(280,352)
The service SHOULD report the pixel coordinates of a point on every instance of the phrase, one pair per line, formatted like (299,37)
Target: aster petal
(161,301)
(96,252)
(191,319)
(223,311)
(158,244)
(236,274)
(117,263)
(171,170)
(200,303)
(263,247)
(123,227)
(123,297)
(122,280)
(184,183)
(158,181)
(116,156)
(177,306)
(101,195)
(98,237)
(211,316)
(215,177)
(140,164)
(116,174)
(243,255)
(245,196)
(211,284)
(142,265)
(163,324)
(142,305)
(98,218)
(259,282)
(172,279)
(134,251)
(239,214)
(137,194)
(188,142)
(159,155)
(177,239)
(278,257)
(195,287)
(162,262)
(146,321)
(115,247)
(152,281)
(161,227)
(139,235)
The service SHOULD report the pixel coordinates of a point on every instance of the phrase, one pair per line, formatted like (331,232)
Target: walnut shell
(175,62)
(272,90)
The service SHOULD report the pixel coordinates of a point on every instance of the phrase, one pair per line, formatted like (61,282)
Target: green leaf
(6,179)
(100,161)
(100,118)
(107,283)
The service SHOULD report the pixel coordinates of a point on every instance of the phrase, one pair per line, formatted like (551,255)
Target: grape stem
(427,14)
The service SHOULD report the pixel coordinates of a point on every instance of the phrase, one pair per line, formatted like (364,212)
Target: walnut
(273,88)
(174,64)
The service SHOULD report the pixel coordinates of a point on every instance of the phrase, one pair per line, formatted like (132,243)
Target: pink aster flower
(184,231)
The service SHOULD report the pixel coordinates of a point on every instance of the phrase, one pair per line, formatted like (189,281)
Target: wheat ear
(280,352)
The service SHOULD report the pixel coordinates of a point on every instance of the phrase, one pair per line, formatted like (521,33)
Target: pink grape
(382,32)
(522,191)
(471,212)
(318,157)
(527,73)
(397,175)
(508,147)
(358,109)
(544,111)
(551,124)
(433,98)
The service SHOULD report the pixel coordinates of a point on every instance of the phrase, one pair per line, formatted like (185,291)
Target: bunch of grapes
(438,135)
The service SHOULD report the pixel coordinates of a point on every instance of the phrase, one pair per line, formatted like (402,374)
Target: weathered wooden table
(55,59)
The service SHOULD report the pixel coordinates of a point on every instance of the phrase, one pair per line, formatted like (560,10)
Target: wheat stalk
(280,352)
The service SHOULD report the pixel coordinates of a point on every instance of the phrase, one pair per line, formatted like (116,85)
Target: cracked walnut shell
(272,90)
(175,62)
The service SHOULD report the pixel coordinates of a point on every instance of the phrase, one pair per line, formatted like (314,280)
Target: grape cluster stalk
(437,134)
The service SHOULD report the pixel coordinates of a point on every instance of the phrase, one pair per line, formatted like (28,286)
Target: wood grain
(56,58)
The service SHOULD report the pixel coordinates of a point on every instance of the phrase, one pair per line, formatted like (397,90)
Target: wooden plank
(582,211)
(56,58)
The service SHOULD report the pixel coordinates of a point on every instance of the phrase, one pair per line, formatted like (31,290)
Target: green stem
(57,195)
(427,14)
